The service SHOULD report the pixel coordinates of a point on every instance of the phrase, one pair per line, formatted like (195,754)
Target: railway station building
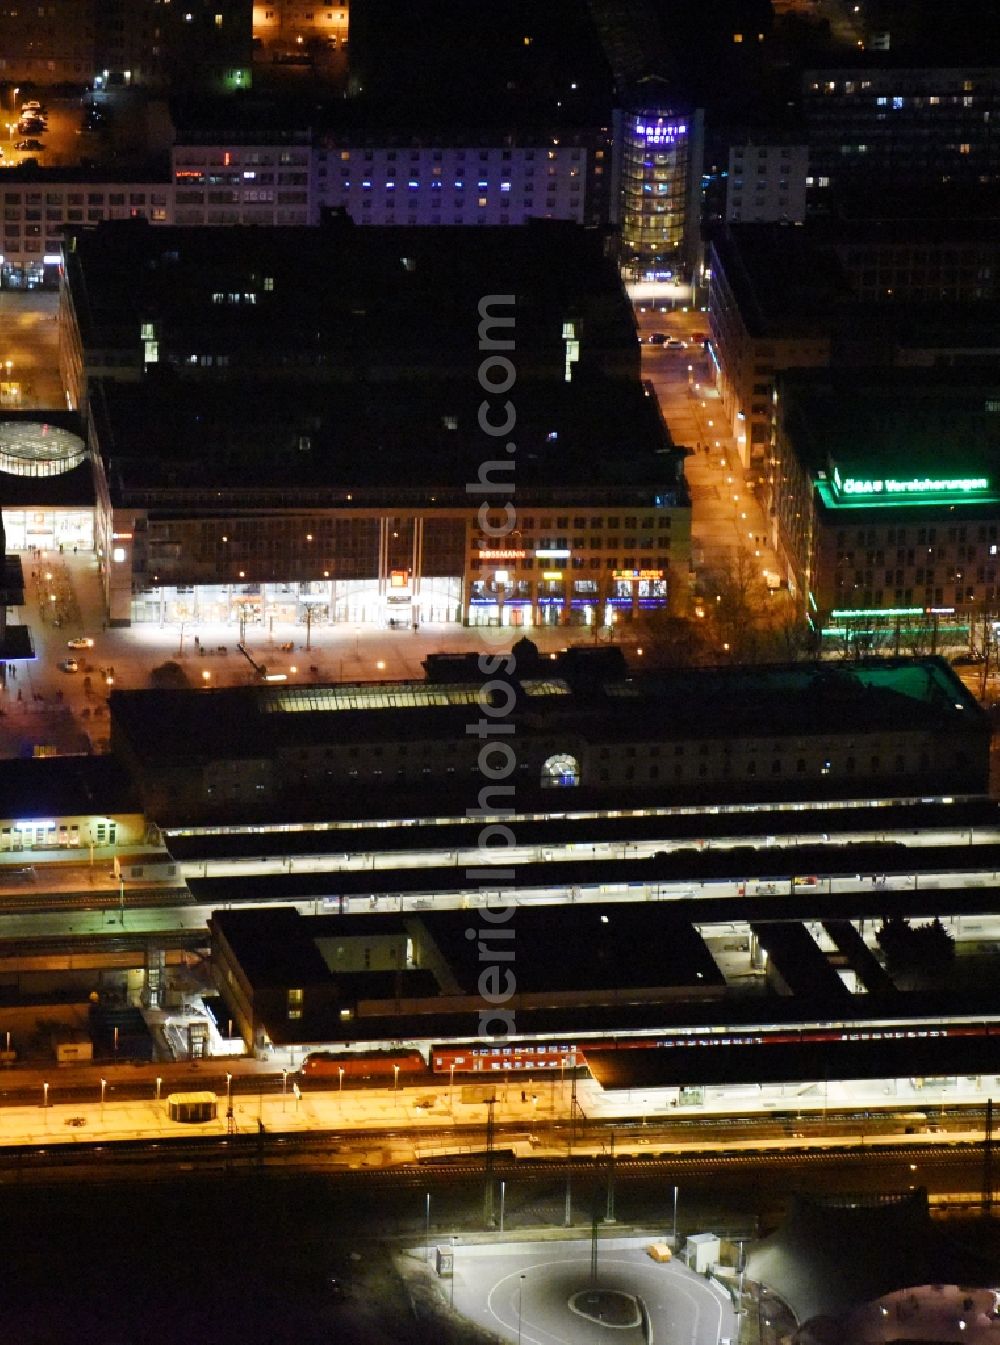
(809,731)
(636,999)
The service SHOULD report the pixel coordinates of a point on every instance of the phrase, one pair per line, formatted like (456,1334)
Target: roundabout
(543,1293)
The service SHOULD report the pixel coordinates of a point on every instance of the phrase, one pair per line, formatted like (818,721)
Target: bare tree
(747,622)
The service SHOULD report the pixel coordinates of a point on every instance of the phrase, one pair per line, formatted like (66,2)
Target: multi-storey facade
(291,556)
(500,180)
(283,178)
(856,293)
(766,183)
(185,531)
(770,309)
(337,506)
(909,127)
(889,494)
(39,206)
(48,43)
(657,204)
(203,43)
(955,264)
(282,27)
(265,184)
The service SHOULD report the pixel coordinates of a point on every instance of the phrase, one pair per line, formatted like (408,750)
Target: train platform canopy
(827,1257)
(743,1056)
(354,978)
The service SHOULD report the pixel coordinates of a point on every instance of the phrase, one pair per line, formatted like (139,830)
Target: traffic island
(608,1307)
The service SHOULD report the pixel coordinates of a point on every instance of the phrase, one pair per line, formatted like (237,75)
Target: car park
(69,665)
(80,642)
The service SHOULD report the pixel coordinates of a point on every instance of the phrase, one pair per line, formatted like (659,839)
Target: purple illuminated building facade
(659,171)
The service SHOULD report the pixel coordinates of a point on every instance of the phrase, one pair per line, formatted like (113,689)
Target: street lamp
(340,1090)
(45,1095)
(520,1296)
(284,1088)
(229,1095)
(395,1080)
(104,1089)
(451,1087)
(159,1084)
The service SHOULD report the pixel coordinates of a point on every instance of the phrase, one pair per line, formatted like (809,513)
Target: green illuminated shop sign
(839,491)
(917,485)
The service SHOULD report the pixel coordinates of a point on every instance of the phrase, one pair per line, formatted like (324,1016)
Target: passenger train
(472,1058)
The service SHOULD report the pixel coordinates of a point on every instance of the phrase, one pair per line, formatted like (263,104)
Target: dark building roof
(344,302)
(59,786)
(784,284)
(166,726)
(593,433)
(830,1256)
(796,698)
(67,490)
(16,643)
(633,949)
(622,946)
(906,422)
(515,60)
(599,947)
(794,954)
(920,38)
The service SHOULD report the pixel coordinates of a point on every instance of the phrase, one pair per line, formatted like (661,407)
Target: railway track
(326,1154)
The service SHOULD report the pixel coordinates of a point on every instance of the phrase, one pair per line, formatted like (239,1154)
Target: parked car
(674,343)
(69,665)
(81,642)
(656,338)
(29,144)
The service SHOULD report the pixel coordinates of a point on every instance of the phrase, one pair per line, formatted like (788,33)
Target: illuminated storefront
(514,592)
(38,509)
(316,603)
(406,569)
